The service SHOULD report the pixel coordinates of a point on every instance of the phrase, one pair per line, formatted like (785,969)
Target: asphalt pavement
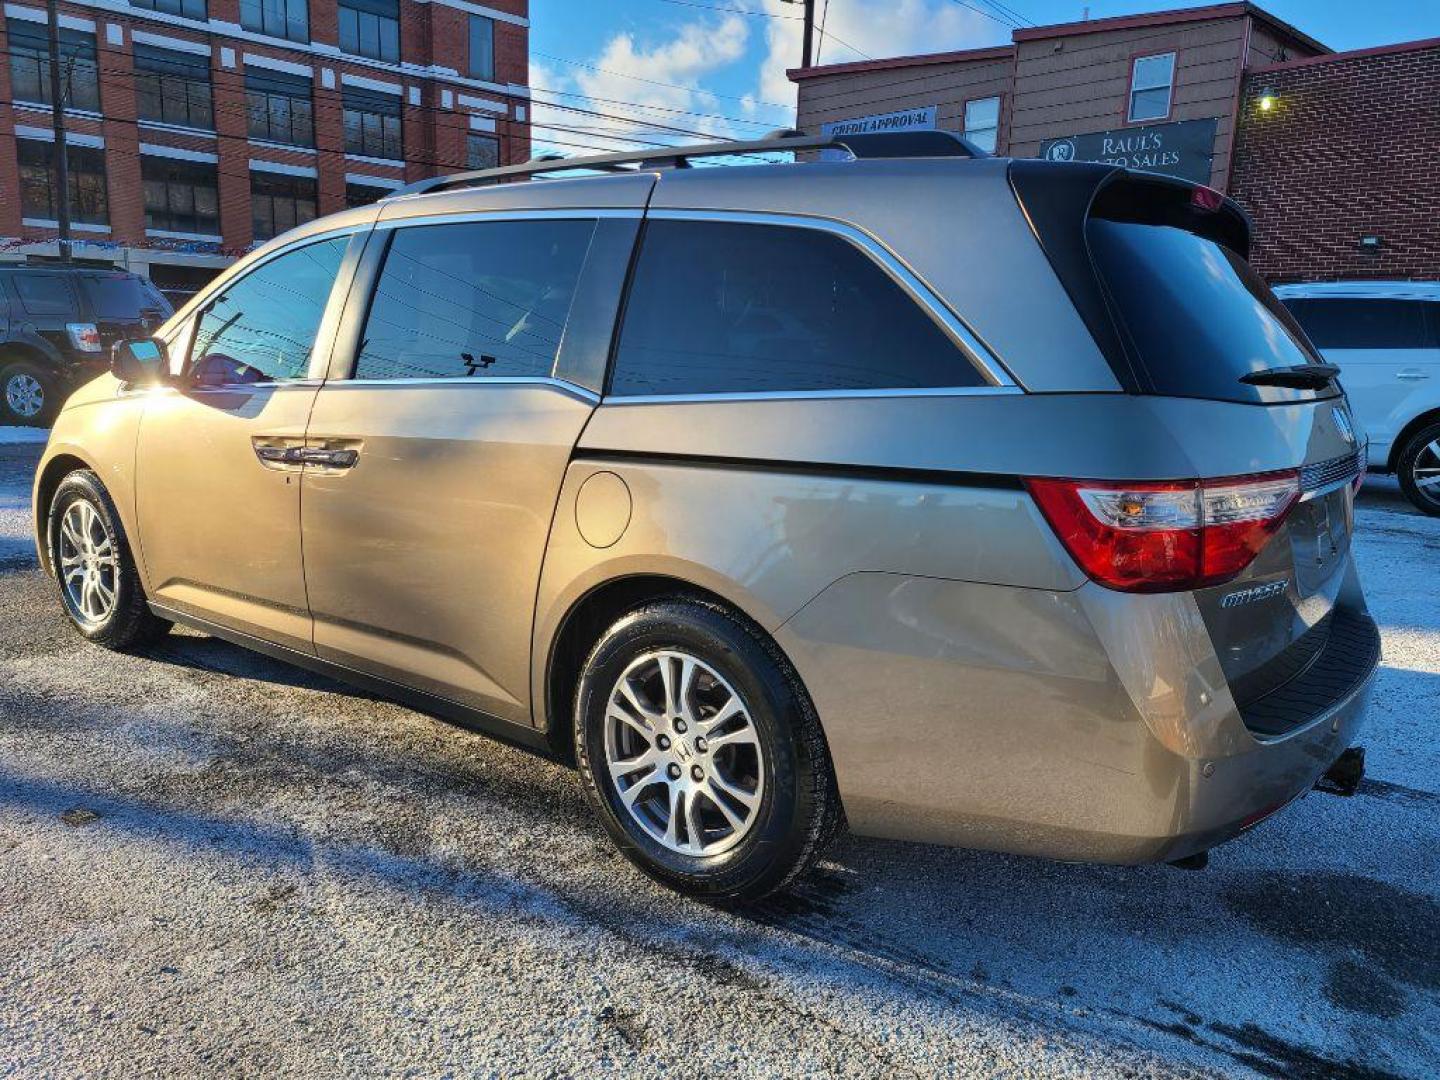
(215,865)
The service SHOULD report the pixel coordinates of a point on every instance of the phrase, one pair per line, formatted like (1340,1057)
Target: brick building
(196,128)
(1340,172)
(1324,149)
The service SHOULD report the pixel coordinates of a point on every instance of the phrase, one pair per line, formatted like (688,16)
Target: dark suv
(56,328)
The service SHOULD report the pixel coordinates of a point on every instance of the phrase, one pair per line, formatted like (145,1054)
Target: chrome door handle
(275,455)
(330,459)
(1412,375)
(294,457)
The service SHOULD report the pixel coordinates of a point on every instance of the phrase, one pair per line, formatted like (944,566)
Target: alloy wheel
(1426,471)
(683,753)
(89,565)
(24,395)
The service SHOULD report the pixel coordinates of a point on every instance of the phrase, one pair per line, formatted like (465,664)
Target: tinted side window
(262,328)
(45,294)
(1365,324)
(485,299)
(733,308)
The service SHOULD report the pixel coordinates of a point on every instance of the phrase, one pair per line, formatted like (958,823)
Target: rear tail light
(83,336)
(1166,536)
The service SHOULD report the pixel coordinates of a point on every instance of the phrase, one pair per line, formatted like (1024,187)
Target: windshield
(1197,315)
(123,297)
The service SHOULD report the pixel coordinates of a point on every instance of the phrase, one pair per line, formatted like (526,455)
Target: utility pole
(57,123)
(806,49)
(807,42)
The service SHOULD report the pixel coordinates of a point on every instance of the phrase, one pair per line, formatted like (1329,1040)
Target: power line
(657,82)
(732,10)
(1005,21)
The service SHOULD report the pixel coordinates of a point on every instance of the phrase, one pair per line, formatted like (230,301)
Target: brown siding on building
(825,99)
(1079,85)
(1348,150)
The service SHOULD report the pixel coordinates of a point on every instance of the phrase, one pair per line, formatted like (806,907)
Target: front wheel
(29,394)
(1419,469)
(95,569)
(701,752)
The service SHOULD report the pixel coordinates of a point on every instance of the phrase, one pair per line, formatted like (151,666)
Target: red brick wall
(9,163)
(431,34)
(1349,149)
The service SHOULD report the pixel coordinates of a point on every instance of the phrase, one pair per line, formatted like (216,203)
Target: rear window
(122,297)
(1354,323)
(44,294)
(1196,316)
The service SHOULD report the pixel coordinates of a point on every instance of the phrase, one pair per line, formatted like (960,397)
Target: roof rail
(871,145)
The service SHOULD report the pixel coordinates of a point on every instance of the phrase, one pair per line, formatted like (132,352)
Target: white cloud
(642,88)
(622,109)
(879,28)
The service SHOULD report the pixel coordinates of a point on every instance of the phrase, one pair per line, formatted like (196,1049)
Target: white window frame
(995,128)
(1137,87)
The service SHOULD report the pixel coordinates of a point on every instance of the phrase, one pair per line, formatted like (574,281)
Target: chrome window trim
(965,339)
(466,217)
(815,395)
(582,392)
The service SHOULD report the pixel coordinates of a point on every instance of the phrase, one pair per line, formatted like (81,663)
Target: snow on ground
(12,435)
(283,876)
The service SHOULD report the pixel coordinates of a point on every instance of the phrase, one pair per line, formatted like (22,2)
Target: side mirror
(143,361)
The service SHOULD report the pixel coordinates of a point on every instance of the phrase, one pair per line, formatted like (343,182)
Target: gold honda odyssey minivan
(972,501)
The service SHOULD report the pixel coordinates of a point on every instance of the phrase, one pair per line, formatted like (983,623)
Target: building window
(278,18)
(1151,81)
(372,124)
(30,66)
(173,87)
(482,47)
(279,107)
(279,202)
(370,28)
(88,204)
(482,151)
(180,196)
(982,122)
(190,9)
(364,194)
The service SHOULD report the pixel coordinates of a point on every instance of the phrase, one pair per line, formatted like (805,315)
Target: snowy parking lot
(212,864)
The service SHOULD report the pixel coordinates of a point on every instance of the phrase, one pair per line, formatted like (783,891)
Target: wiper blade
(1298,376)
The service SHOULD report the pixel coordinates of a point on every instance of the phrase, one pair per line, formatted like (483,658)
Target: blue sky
(668,70)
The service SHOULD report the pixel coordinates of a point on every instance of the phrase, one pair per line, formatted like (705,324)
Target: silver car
(973,501)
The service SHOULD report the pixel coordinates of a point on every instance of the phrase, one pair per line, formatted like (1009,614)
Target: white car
(1385,338)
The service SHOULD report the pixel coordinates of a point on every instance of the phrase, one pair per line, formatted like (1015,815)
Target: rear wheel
(29,394)
(94,568)
(702,753)
(1419,469)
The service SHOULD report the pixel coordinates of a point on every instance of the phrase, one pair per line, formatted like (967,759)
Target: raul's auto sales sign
(1183,149)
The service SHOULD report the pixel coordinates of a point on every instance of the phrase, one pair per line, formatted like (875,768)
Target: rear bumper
(1083,726)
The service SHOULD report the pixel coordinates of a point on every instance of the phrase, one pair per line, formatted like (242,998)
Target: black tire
(1421,451)
(129,623)
(17,373)
(799,811)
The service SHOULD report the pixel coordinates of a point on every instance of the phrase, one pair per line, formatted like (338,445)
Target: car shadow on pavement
(202,652)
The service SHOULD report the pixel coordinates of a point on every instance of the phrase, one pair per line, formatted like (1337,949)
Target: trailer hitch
(1343,777)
